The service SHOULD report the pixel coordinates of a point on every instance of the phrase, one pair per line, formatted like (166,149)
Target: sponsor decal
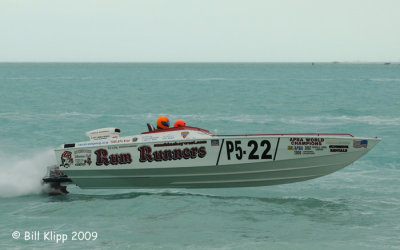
(184,134)
(318,148)
(360,143)
(66,159)
(128,146)
(306,150)
(149,138)
(168,137)
(134,139)
(337,141)
(171,144)
(338,148)
(120,141)
(297,148)
(146,154)
(307,141)
(194,142)
(100,137)
(102,158)
(97,143)
(83,157)
(214,142)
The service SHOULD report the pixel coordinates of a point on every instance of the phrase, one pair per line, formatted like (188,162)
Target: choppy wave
(25,78)
(243,118)
(22,175)
(278,79)
(385,79)
(303,120)
(240,79)
(337,120)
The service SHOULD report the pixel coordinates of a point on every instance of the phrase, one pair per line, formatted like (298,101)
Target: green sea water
(45,105)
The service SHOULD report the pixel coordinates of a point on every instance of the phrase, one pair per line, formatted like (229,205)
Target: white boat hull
(256,174)
(208,161)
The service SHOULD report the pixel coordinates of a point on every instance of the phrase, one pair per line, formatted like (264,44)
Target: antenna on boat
(215,131)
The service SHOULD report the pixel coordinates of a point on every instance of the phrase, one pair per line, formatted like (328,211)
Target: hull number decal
(234,148)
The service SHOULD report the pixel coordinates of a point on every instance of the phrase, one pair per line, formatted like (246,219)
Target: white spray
(23,175)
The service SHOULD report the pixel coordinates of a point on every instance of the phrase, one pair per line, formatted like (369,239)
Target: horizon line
(216,62)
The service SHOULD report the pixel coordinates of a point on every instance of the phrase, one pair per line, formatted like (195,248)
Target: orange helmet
(162,122)
(180,123)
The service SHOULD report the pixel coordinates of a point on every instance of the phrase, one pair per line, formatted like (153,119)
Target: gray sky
(199,30)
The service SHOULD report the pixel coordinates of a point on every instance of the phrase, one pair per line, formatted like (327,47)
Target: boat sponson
(237,175)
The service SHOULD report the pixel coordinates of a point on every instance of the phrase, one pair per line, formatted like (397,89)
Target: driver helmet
(180,123)
(162,122)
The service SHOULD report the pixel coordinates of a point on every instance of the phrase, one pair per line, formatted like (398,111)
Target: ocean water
(45,105)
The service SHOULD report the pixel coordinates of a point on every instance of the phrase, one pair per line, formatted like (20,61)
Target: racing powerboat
(191,157)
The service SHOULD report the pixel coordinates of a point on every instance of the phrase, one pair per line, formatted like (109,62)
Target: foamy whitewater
(20,175)
(45,105)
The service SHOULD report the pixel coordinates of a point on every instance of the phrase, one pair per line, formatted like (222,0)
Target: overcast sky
(199,30)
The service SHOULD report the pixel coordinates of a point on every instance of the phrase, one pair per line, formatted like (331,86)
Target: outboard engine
(55,178)
(103,133)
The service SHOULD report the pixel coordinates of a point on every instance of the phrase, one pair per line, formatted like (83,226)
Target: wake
(22,175)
